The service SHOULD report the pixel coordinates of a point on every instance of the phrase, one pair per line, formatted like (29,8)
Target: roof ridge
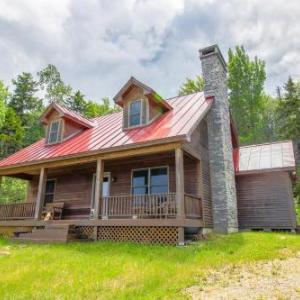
(72,111)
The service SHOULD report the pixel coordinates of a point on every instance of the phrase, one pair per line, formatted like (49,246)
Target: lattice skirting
(139,234)
(85,232)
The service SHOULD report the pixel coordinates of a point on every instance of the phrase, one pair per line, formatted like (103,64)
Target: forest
(258,116)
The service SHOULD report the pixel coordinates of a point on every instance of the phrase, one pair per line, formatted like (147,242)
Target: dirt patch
(277,279)
(4,251)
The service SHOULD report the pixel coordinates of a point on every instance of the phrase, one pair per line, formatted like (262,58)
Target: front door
(105,187)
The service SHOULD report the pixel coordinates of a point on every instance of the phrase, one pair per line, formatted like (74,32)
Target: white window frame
(149,177)
(59,131)
(129,112)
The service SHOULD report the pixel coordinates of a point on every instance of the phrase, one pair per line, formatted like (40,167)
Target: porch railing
(193,207)
(17,211)
(140,206)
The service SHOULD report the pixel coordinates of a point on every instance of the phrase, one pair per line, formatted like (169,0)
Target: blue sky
(97,45)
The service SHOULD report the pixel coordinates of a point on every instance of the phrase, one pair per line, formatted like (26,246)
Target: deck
(129,210)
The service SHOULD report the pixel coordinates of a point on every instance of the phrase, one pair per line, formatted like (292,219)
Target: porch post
(40,194)
(98,187)
(179,166)
(179,182)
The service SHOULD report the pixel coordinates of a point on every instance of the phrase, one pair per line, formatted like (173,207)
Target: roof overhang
(64,113)
(110,153)
(148,91)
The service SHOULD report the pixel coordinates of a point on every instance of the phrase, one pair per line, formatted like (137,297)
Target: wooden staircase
(51,233)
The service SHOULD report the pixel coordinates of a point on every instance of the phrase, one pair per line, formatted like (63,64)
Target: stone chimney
(220,145)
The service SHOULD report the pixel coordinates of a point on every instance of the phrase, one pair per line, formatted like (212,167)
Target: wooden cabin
(161,170)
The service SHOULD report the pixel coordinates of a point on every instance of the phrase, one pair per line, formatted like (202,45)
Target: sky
(98,44)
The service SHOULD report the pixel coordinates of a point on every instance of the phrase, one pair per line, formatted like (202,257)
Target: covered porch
(163,188)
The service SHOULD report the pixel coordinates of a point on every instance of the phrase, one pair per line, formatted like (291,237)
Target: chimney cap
(212,50)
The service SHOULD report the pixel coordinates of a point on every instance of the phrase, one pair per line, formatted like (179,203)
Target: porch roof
(108,133)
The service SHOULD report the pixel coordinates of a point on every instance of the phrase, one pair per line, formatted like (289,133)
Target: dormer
(61,124)
(141,104)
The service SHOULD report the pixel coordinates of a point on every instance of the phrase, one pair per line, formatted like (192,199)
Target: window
(150,181)
(49,191)
(54,132)
(135,113)
(159,180)
(140,182)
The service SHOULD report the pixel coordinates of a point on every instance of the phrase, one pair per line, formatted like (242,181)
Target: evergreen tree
(192,86)
(11,133)
(27,107)
(4,94)
(289,111)
(23,99)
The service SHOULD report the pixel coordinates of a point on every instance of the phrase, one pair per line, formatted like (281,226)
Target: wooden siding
(199,144)
(265,201)
(74,185)
(70,129)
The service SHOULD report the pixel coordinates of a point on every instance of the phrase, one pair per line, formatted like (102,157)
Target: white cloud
(98,45)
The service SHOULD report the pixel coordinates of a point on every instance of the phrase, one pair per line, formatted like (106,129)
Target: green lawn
(105,270)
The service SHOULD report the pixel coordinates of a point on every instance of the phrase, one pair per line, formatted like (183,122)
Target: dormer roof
(148,91)
(66,113)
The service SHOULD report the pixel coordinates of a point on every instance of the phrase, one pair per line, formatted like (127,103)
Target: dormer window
(54,133)
(135,113)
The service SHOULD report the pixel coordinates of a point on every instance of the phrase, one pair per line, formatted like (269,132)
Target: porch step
(51,233)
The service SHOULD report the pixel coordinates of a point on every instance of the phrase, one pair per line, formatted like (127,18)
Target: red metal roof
(108,134)
(264,157)
(67,113)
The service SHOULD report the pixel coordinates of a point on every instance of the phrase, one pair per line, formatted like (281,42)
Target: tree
(95,109)
(23,98)
(27,107)
(77,102)
(289,111)
(4,94)
(246,79)
(12,189)
(55,89)
(192,86)
(11,133)
(289,122)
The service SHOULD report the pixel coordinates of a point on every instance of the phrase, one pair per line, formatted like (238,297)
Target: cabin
(160,171)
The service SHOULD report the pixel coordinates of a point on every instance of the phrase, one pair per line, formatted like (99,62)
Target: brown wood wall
(265,201)
(199,143)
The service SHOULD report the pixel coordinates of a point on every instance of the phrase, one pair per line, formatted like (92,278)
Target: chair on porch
(53,211)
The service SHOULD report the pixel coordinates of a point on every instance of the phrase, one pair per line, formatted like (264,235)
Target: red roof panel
(107,132)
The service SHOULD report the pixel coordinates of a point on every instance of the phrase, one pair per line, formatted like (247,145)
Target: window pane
(53,137)
(135,113)
(49,198)
(135,120)
(54,126)
(140,178)
(159,189)
(54,132)
(140,191)
(135,107)
(159,176)
(50,186)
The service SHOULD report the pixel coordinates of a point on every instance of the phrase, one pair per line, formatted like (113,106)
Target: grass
(106,270)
